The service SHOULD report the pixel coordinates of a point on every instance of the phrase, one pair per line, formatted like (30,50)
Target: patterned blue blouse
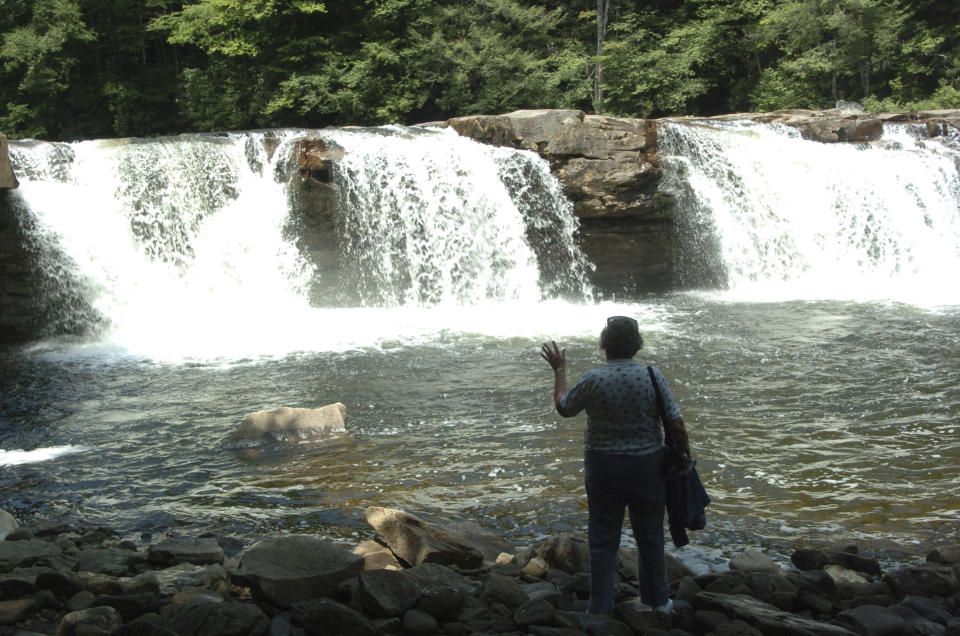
(621,407)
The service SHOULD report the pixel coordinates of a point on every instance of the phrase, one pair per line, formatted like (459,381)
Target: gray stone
(215,619)
(725,582)
(596,625)
(736,627)
(176,550)
(473,610)
(148,626)
(326,617)
(536,129)
(536,568)
(814,579)
(385,593)
(417,623)
(129,606)
(754,561)
(45,599)
(187,575)
(493,129)
(925,580)
(80,601)
(281,625)
(292,424)
(676,569)
(417,542)
(545,630)
(687,589)
(195,596)
(765,617)
(934,610)
(376,556)
(443,603)
(62,584)
(110,561)
(567,553)
(924,627)
(844,576)
(543,590)
(945,554)
(8,180)
(709,621)
(861,590)
(872,620)
(17,585)
(12,612)
(597,137)
(432,576)
(145,583)
(21,534)
(96,621)
(288,569)
(490,545)
(21,554)
(641,617)
(766,583)
(818,559)
(538,612)
(501,589)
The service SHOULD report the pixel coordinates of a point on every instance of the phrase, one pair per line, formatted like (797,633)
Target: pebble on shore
(419,578)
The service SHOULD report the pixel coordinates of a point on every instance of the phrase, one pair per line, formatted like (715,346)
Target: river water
(820,390)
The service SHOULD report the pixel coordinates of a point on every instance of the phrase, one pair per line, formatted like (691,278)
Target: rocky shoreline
(422,578)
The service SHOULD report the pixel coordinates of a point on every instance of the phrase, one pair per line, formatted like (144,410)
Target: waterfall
(768,215)
(182,245)
(429,217)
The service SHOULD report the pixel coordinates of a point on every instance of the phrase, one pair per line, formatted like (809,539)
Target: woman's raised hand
(554,355)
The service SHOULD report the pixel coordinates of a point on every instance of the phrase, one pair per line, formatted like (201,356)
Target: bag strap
(656,390)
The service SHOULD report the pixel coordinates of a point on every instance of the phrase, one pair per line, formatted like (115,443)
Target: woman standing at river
(623,458)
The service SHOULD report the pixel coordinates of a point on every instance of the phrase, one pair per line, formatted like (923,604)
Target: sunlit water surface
(813,421)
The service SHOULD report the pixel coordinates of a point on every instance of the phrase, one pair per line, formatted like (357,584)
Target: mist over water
(815,367)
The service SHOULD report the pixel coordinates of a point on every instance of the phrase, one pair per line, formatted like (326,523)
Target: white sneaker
(666,608)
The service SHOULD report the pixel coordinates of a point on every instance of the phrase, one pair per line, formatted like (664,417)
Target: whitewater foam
(17,457)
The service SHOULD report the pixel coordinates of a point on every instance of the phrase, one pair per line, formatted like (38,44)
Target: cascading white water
(180,245)
(430,218)
(772,216)
(177,241)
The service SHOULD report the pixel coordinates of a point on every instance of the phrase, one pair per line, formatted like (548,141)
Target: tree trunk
(603,13)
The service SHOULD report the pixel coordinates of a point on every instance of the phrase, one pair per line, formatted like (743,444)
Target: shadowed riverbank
(444,578)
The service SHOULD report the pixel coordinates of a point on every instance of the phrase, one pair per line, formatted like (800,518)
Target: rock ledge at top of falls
(609,168)
(8,180)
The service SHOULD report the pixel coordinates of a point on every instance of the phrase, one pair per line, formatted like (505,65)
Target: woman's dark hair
(621,338)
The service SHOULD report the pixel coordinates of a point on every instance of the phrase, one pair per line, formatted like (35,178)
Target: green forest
(80,69)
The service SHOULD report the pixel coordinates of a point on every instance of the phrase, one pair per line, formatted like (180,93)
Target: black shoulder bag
(675,463)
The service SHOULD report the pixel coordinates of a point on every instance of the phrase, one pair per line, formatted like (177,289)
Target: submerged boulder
(286,423)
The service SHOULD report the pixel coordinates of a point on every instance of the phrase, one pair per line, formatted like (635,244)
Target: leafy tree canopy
(95,68)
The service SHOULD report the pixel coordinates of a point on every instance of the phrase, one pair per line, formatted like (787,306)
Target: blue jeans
(614,483)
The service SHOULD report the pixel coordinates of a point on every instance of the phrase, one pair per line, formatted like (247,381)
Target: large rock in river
(285,423)
(416,541)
